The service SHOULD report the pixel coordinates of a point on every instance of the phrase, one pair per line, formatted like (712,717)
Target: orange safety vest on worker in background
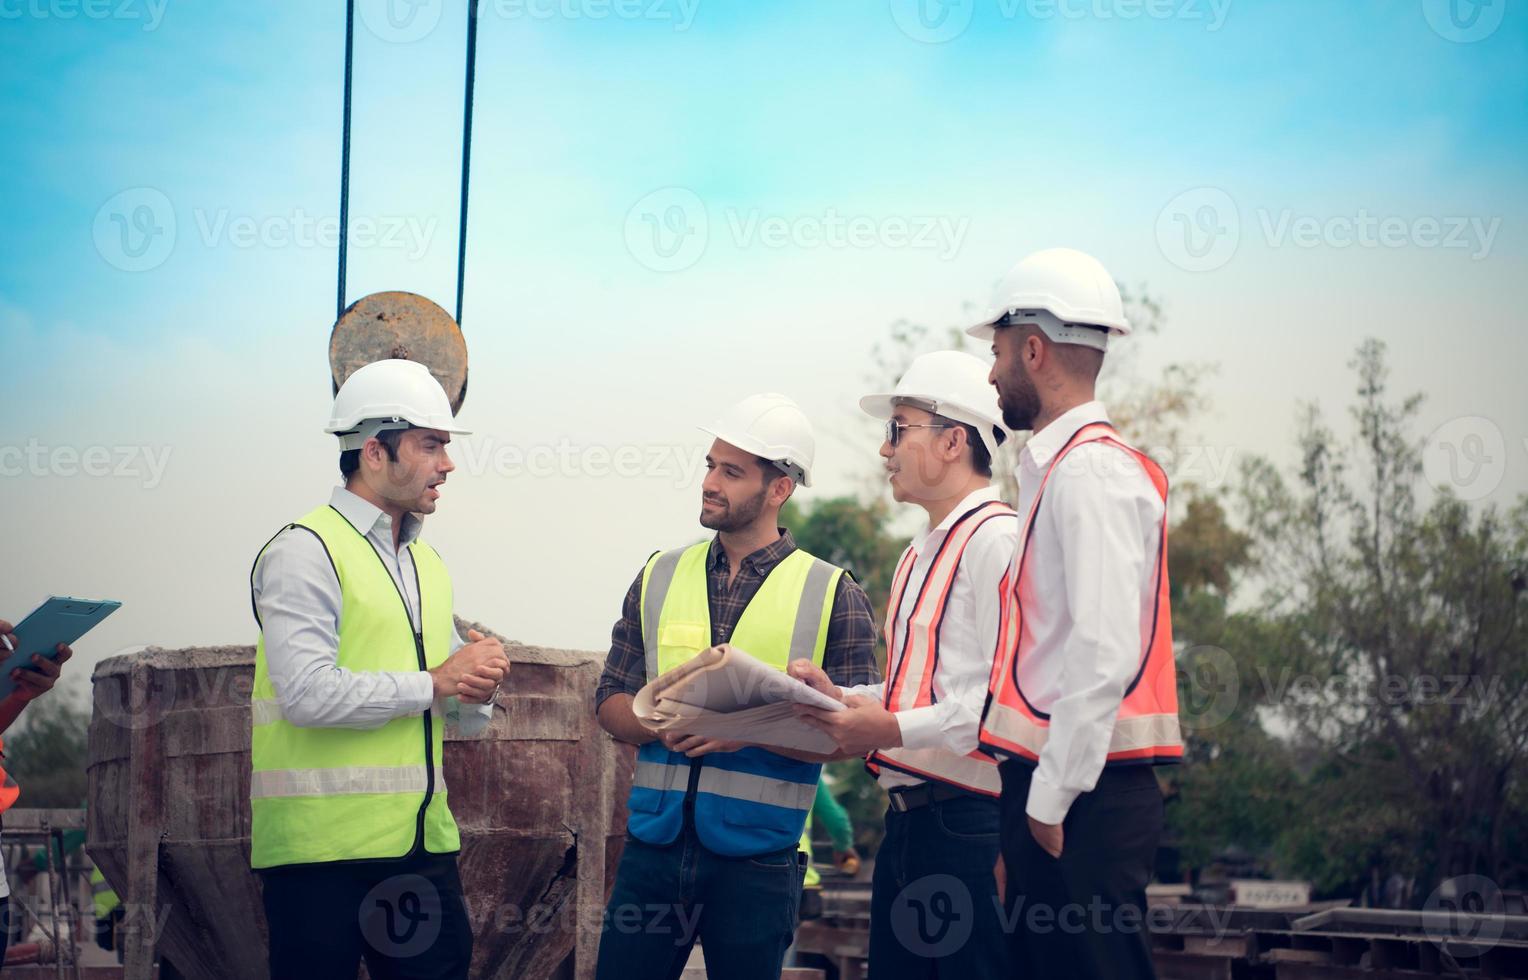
(1146,729)
(910,681)
(9,791)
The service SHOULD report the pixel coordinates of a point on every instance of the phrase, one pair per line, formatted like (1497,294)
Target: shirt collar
(1046,443)
(763,560)
(366,517)
(972,499)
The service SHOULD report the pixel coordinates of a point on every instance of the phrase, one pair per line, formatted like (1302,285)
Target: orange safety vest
(911,678)
(1146,729)
(8,788)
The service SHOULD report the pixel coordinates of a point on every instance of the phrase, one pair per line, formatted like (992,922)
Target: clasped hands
(474,672)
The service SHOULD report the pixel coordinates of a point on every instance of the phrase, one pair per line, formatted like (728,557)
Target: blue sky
(167,288)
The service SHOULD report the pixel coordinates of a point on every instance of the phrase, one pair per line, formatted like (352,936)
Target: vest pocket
(690,638)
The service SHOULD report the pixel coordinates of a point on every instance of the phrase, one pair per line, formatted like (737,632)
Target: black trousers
(406,918)
(933,902)
(1083,915)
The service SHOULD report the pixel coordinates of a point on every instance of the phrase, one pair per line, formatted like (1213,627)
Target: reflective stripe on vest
(751,801)
(9,791)
(1146,729)
(342,794)
(911,681)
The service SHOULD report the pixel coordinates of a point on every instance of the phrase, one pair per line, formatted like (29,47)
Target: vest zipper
(429,722)
(429,731)
(430,734)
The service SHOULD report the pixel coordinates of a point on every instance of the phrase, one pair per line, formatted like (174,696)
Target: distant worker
(830,815)
(357,669)
(943,428)
(1084,696)
(715,827)
(31,683)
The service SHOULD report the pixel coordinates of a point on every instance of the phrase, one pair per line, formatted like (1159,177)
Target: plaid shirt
(848,660)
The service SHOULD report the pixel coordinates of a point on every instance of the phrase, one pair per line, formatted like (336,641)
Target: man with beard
(357,667)
(1083,698)
(712,847)
(919,728)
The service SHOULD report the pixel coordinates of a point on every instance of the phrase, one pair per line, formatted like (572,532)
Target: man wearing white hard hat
(357,668)
(1083,697)
(918,729)
(712,847)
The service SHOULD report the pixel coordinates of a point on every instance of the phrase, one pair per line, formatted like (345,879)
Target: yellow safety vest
(751,801)
(101,895)
(345,794)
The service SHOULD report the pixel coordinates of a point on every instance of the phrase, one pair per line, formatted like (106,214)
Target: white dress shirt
(1093,565)
(298,598)
(967,636)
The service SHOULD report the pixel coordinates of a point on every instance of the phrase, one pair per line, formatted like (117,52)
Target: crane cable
(461,244)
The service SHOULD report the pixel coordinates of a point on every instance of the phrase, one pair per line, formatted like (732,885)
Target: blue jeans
(743,911)
(933,903)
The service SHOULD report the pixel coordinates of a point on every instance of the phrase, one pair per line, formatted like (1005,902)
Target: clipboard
(60,619)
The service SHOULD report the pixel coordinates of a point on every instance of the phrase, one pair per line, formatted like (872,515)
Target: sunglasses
(894,429)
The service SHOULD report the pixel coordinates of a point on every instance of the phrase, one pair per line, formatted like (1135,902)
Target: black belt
(904,798)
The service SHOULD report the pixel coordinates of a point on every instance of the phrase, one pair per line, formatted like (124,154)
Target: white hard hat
(950,383)
(389,394)
(771,426)
(1066,293)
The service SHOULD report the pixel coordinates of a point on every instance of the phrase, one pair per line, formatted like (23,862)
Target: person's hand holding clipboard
(35,650)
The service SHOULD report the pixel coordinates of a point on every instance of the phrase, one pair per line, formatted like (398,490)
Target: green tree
(1394,652)
(46,753)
